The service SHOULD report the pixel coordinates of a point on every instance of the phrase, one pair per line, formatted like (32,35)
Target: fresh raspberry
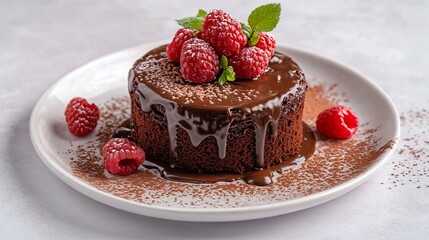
(267,43)
(249,63)
(175,47)
(81,117)
(223,32)
(337,122)
(198,61)
(122,157)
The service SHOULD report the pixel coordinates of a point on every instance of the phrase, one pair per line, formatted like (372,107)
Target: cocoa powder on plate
(333,163)
(410,166)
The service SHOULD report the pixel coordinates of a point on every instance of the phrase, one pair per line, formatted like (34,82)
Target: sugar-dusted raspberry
(249,63)
(198,61)
(338,122)
(175,47)
(267,43)
(223,33)
(122,157)
(81,117)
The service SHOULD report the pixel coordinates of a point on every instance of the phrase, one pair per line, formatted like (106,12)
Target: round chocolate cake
(240,126)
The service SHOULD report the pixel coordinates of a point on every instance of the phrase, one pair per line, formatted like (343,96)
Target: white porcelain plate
(106,77)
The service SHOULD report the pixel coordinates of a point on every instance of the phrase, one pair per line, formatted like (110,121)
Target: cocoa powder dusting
(333,163)
(411,167)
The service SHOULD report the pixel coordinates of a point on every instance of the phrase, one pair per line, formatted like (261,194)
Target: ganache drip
(197,127)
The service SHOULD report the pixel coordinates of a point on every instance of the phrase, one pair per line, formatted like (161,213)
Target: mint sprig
(193,22)
(201,13)
(263,19)
(228,74)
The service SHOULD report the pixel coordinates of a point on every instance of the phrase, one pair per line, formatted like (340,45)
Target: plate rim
(182,213)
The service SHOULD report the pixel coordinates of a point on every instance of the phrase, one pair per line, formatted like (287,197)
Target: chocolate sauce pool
(259,177)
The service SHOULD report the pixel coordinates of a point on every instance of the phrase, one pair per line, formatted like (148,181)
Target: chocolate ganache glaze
(209,110)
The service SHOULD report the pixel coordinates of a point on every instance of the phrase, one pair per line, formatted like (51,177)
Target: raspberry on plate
(175,47)
(338,122)
(81,117)
(223,32)
(198,61)
(122,157)
(267,42)
(249,63)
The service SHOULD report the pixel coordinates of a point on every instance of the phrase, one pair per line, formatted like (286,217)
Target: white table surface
(42,40)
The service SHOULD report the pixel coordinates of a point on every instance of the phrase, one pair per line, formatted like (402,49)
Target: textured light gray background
(42,40)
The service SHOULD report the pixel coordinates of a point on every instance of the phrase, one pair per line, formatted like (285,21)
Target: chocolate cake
(240,126)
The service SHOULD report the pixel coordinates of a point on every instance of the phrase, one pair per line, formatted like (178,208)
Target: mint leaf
(230,74)
(254,40)
(265,17)
(201,13)
(222,79)
(247,30)
(223,62)
(191,22)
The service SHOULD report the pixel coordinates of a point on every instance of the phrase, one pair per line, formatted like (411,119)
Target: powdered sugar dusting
(333,163)
(275,60)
